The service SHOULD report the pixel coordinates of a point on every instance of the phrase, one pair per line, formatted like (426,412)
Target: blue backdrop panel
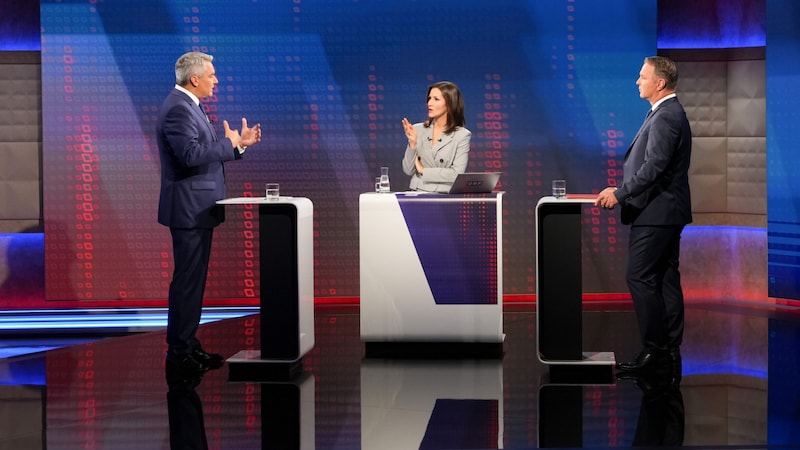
(783,159)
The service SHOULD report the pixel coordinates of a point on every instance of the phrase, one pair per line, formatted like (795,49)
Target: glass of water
(384,180)
(559,188)
(273,191)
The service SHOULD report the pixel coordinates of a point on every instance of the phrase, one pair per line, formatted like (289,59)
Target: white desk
(431,268)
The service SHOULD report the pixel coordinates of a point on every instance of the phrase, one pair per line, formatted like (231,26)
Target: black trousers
(192,251)
(655,284)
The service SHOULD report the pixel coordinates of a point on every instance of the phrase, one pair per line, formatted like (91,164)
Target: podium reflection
(431,404)
(287,413)
(573,415)
(185,411)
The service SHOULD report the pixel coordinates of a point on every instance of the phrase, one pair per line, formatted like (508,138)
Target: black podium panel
(560,287)
(279,282)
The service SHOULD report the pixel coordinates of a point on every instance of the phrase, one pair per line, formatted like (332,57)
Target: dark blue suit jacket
(192,176)
(655,186)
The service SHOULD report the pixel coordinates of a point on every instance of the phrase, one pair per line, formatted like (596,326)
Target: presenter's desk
(431,275)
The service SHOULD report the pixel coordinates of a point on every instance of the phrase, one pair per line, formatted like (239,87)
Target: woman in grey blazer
(438,149)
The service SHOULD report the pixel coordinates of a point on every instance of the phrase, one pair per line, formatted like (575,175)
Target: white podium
(431,274)
(286,257)
(559,294)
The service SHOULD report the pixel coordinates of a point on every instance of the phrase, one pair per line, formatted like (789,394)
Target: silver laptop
(475,183)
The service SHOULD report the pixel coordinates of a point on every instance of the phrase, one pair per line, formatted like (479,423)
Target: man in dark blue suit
(656,203)
(192,180)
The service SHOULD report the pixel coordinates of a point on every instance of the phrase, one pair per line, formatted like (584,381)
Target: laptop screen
(475,183)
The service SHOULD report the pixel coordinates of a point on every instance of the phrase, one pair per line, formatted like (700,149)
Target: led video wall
(549,88)
(783,209)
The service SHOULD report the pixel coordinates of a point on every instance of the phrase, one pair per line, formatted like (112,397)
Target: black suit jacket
(655,186)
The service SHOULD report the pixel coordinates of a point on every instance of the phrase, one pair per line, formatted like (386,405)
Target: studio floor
(739,390)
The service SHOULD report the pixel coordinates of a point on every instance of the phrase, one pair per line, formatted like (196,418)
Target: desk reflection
(431,404)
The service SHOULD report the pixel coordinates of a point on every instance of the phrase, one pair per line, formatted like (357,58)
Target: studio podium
(431,274)
(559,291)
(286,258)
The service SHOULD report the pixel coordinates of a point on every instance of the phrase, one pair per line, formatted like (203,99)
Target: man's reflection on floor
(186,426)
(661,413)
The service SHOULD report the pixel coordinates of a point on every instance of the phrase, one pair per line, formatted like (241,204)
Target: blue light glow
(110,320)
(19,26)
(707,25)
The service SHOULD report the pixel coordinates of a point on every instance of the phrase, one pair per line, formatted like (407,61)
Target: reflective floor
(739,390)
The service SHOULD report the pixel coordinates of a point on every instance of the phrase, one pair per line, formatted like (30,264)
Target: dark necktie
(208,121)
(649,113)
(200,105)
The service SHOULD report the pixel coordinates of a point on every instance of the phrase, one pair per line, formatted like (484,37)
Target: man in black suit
(656,203)
(192,180)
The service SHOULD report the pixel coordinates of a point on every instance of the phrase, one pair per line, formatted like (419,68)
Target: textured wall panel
(747,175)
(20,141)
(726,105)
(747,79)
(747,142)
(19,182)
(708,174)
(702,91)
(747,117)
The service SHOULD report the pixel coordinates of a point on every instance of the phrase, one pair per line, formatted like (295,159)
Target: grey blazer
(443,159)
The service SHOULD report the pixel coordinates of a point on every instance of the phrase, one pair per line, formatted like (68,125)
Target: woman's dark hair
(454,102)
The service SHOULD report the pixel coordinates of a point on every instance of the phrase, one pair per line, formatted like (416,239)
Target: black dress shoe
(187,366)
(212,360)
(646,361)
